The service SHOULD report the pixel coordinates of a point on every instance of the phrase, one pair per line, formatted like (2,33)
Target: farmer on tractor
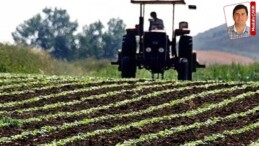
(155,23)
(153,50)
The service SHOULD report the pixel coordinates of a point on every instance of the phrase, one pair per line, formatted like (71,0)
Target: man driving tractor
(155,23)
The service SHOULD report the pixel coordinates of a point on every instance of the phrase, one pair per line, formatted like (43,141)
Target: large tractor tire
(185,47)
(128,67)
(183,69)
(129,45)
(186,51)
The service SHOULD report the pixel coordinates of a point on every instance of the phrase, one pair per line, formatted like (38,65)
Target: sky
(209,13)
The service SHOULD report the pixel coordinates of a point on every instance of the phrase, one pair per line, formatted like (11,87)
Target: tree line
(54,32)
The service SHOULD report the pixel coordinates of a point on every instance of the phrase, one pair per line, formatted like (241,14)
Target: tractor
(154,51)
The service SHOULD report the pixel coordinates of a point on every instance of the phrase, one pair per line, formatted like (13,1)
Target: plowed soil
(119,108)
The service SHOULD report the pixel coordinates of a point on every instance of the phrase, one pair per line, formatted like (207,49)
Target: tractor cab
(154,50)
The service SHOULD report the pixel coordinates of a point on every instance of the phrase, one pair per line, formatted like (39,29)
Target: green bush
(18,59)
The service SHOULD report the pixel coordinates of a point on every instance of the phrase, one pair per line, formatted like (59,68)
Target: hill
(218,38)
(218,57)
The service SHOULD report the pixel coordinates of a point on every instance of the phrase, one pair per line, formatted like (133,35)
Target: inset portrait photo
(238,20)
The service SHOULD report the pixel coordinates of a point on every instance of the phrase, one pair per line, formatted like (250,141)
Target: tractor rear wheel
(186,51)
(128,67)
(183,69)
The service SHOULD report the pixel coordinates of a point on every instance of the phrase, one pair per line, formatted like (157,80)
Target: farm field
(64,110)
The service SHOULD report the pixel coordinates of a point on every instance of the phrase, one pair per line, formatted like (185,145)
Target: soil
(132,133)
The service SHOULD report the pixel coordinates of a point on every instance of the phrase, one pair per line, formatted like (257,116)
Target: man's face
(240,17)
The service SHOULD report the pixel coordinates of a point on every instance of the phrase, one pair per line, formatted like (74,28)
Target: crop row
(32,90)
(94,109)
(145,122)
(82,99)
(71,92)
(60,114)
(225,133)
(18,80)
(58,84)
(41,97)
(56,110)
(11,76)
(211,121)
(256,143)
(12,79)
(43,81)
(45,129)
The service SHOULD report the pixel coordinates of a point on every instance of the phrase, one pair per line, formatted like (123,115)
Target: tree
(53,32)
(91,41)
(113,37)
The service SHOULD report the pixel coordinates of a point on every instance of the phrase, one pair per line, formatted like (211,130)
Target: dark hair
(153,14)
(240,7)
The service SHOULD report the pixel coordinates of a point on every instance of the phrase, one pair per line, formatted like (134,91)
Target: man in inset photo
(239,29)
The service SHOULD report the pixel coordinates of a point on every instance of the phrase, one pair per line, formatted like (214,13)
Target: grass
(103,68)
(233,72)
(17,59)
